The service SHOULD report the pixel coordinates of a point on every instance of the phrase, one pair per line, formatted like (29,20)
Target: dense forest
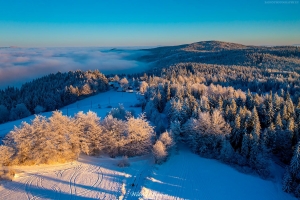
(235,103)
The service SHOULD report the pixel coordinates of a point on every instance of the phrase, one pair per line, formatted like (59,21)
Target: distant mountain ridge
(226,53)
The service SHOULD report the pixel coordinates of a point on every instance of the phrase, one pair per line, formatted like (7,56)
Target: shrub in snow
(7,174)
(124,162)
(120,112)
(6,154)
(159,152)
(38,109)
(20,111)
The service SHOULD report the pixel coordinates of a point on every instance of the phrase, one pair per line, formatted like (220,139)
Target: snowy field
(184,176)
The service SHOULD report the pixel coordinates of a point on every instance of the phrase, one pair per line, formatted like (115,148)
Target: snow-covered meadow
(184,176)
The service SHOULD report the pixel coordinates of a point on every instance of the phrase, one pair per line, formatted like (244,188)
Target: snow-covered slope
(110,98)
(188,176)
(184,176)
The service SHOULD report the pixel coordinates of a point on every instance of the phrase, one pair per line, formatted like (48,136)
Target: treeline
(256,80)
(49,93)
(245,129)
(61,138)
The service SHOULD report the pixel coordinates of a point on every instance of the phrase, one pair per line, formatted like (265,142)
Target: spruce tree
(245,150)
(236,133)
(278,122)
(249,100)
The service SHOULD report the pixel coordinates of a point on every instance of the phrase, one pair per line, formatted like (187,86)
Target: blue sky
(82,23)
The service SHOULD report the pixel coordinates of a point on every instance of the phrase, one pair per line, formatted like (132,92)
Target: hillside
(225,53)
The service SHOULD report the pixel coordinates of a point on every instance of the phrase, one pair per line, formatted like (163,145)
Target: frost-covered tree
(159,151)
(143,87)
(124,83)
(166,139)
(90,133)
(206,133)
(114,135)
(139,134)
(175,128)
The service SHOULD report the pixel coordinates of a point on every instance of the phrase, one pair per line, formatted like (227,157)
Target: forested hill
(285,58)
(49,93)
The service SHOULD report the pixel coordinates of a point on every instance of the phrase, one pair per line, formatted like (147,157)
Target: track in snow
(72,181)
(183,176)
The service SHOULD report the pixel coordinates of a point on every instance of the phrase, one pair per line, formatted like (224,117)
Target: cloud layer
(18,65)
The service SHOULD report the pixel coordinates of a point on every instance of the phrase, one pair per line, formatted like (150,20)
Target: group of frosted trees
(49,93)
(245,129)
(60,138)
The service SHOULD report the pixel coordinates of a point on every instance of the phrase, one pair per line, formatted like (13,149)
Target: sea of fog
(18,65)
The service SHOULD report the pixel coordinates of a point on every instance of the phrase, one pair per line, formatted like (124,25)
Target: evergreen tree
(227,152)
(256,125)
(245,150)
(269,117)
(278,122)
(220,104)
(249,100)
(276,103)
(167,92)
(295,162)
(236,133)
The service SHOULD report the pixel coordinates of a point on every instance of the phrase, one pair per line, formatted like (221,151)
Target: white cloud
(18,65)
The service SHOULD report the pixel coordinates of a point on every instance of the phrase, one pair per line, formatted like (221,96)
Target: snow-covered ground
(184,176)
(188,176)
(87,178)
(105,99)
